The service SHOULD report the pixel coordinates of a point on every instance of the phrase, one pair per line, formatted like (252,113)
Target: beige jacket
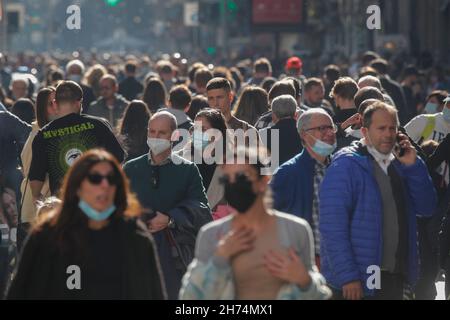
(28,207)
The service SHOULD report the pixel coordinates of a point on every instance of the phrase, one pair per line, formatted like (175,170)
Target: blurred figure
(179,102)
(198,103)
(201,79)
(435,125)
(74,72)
(393,88)
(94,229)
(330,74)
(252,103)
(262,68)
(23,108)
(294,68)
(110,105)
(130,87)
(284,111)
(45,112)
(155,95)
(314,94)
(412,90)
(167,72)
(19,88)
(343,94)
(93,76)
(256,253)
(133,129)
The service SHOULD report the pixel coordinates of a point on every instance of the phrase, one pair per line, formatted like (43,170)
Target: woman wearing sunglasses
(91,246)
(256,253)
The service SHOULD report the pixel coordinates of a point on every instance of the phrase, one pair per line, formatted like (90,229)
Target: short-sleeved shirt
(416,127)
(62,141)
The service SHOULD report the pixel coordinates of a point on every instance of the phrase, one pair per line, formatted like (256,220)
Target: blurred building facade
(232,28)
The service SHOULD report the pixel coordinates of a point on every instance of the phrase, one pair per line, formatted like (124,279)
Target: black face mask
(239,194)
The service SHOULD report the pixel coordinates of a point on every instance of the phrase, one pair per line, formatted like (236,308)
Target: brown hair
(345,88)
(252,103)
(41,106)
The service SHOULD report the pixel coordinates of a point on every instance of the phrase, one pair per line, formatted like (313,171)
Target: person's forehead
(102,167)
(107,82)
(161,123)
(383,117)
(216,92)
(318,119)
(235,167)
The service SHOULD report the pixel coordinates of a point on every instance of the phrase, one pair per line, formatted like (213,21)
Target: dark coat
(41,271)
(289,143)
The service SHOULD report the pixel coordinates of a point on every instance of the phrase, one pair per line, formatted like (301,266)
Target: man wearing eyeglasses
(369,200)
(295,184)
(171,189)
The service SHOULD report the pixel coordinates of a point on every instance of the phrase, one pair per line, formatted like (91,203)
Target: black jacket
(130,88)
(41,271)
(394,90)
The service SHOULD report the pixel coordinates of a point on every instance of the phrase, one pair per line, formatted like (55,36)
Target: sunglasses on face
(96,179)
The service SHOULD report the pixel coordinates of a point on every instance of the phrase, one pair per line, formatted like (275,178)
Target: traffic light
(112,3)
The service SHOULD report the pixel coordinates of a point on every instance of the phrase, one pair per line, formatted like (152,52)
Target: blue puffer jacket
(292,186)
(351,216)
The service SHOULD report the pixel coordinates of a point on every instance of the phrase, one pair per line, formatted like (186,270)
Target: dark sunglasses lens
(97,179)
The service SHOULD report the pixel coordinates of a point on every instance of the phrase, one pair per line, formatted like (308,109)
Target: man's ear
(175,135)
(231,95)
(365,132)
(274,118)
(186,109)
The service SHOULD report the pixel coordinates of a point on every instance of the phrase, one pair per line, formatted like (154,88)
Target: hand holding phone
(398,148)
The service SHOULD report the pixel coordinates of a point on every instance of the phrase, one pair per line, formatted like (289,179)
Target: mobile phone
(400,151)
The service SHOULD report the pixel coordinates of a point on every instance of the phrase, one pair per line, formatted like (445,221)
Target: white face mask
(377,154)
(158,146)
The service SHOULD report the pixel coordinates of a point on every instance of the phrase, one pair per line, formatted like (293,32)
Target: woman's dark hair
(252,103)
(68,223)
(155,94)
(42,104)
(24,110)
(133,127)
(198,103)
(216,121)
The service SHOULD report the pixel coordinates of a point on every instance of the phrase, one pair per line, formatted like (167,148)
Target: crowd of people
(169,180)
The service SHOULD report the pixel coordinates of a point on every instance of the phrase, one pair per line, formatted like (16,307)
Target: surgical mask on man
(158,146)
(323,149)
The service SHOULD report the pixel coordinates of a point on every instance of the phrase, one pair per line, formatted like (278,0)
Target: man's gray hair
(370,81)
(304,120)
(168,115)
(77,63)
(284,106)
